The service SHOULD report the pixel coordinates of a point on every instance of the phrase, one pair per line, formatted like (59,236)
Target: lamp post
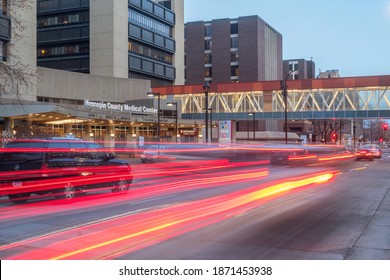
(174,104)
(211,123)
(284,88)
(254,126)
(325,128)
(153,94)
(206,89)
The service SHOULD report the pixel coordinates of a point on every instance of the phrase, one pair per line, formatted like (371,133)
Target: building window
(149,23)
(159,11)
(208,72)
(69,4)
(234,42)
(147,5)
(167,4)
(208,58)
(49,5)
(63,19)
(207,31)
(147,66)
(234,56)
(150,52)
(170,16)
(234,71)
(208,44)
(234,28)
(67,50)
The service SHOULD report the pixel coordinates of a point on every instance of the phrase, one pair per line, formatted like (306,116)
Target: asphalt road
(232,212)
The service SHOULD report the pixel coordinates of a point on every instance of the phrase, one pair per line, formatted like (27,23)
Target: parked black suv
(63,167)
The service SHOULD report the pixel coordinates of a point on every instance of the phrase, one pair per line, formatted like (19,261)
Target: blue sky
(352,36)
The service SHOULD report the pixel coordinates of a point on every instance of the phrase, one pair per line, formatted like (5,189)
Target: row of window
(60,100)
(51,5)
(63,19)
(70,64)
(208,29)
(150,52)
(152,38)
(151,67)
(57,35)
(208,57)
(75,49)
(208,43)
(149,23)
(234,71)
(155,9)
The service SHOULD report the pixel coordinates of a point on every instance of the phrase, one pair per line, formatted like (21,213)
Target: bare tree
(326,128)
(373,129)
(15,75)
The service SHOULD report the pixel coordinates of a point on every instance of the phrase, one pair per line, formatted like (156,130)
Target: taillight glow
(112,238)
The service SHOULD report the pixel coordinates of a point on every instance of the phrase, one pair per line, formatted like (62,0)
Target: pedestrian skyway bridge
(338,98)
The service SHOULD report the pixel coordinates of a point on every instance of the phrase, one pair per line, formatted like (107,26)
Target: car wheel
(121,186)
(68,192)
(19,198)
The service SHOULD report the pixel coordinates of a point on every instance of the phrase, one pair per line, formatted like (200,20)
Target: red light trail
(113,238)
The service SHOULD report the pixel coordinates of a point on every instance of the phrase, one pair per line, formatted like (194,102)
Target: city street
(214,210)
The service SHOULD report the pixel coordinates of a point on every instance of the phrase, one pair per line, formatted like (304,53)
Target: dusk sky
(352,36)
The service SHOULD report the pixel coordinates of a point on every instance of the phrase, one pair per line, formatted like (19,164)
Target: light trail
(123,235)
(158,187)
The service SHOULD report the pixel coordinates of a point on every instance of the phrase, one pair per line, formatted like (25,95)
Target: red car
(364,153)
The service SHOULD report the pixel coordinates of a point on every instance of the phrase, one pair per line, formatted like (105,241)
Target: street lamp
(206,89)
(174,104)
(153,94)
(254,127)
(284,88)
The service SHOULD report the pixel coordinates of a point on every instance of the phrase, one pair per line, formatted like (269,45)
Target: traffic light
(385,126)
(334,137)
(381,139)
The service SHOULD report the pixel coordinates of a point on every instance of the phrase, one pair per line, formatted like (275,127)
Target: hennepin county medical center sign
(119,107)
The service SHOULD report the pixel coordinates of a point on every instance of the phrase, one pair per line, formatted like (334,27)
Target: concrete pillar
(109,38)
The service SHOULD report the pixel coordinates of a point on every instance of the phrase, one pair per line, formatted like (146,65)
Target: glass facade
(63,34)
(63,19)
(150,52)
(149,23)
(151,44)
(63,38)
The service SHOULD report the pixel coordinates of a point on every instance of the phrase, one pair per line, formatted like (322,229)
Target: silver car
(374,149)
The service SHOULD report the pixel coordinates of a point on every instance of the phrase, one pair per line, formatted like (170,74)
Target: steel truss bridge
(339,98)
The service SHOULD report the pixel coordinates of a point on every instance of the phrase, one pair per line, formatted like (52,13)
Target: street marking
(360,168)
